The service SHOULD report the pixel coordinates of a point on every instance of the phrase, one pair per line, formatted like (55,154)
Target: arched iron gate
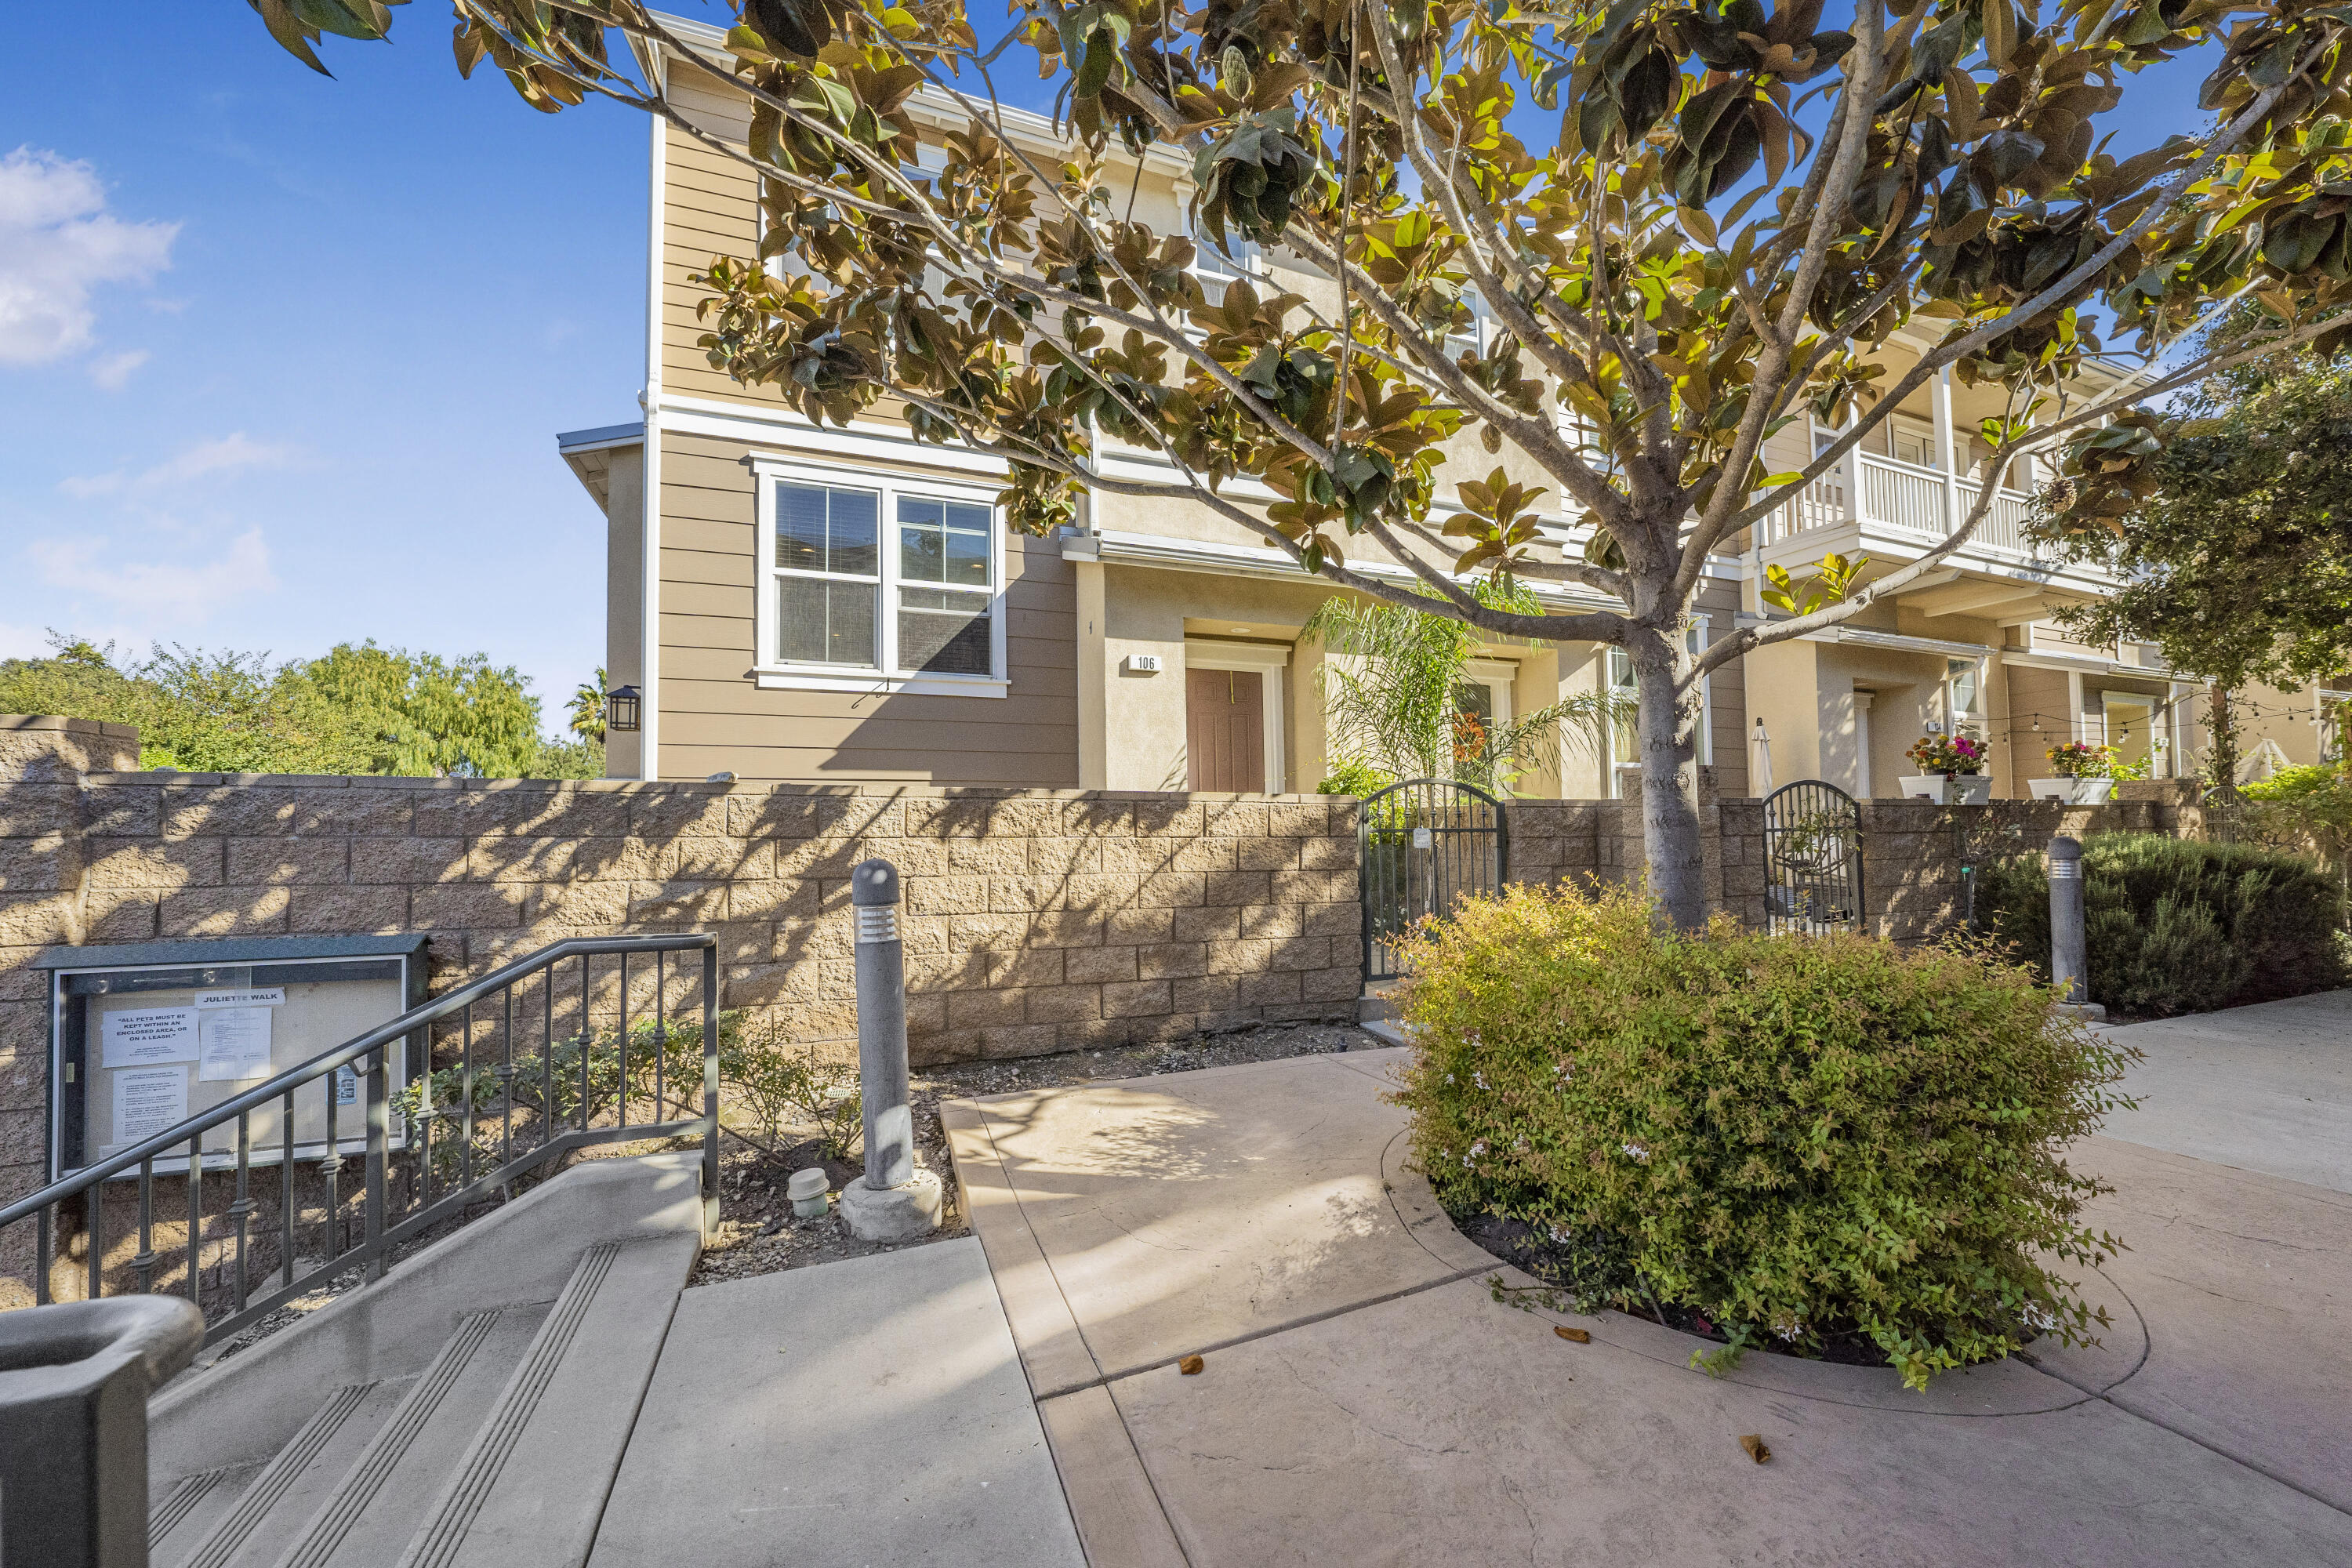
(1813,858)
(1424,844)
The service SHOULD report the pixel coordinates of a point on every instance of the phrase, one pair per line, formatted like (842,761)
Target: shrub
(1354,775)
(2176,925)
(1812,1137)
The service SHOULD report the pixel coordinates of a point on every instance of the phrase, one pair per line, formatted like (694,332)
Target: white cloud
(111,371)
(190,591)
(58,242)
(232,453)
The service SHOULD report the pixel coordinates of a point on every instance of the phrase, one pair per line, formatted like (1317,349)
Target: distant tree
(360,709)
(199,711)
(422,716)
(588,708)
(2236,551)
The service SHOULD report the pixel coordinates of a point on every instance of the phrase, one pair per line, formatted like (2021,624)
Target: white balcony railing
(1906,497)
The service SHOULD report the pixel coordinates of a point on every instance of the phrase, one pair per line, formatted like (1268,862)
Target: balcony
(1907,508)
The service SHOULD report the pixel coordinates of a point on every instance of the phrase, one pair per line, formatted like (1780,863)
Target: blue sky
(282,358)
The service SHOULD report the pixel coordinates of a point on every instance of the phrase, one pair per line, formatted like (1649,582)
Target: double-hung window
(863,579)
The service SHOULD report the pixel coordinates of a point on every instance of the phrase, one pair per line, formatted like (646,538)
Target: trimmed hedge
(1818,1141)
(2176,925)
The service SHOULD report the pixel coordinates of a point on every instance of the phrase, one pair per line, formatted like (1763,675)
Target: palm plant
(1396,698)
(588,708)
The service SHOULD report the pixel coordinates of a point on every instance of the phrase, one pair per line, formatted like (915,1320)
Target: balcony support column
(1939,398)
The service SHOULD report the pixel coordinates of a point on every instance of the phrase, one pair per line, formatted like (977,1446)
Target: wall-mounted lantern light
(621,708)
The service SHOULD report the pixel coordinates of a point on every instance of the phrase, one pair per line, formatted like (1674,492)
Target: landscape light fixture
(621,708)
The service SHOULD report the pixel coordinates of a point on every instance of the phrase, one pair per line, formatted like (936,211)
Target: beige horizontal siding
(715,718)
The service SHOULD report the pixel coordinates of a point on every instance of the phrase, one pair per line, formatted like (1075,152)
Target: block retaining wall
(1035,921)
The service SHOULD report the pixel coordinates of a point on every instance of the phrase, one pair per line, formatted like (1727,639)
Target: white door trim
(1267,660)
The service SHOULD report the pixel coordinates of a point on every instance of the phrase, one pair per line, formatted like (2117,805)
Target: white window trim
(771,673)
(1269,662)
(1497,676)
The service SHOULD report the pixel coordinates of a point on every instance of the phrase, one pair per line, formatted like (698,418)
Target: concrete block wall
(1035,921)
(50,750)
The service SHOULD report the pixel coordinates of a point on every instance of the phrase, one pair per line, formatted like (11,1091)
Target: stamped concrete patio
(1365,1400)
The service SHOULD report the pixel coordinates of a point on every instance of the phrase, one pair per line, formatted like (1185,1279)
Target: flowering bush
(2078,760)
(1809,1138)
(1951,756)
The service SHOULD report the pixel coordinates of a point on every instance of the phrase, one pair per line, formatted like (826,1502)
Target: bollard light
(2067,947)
(895,1201)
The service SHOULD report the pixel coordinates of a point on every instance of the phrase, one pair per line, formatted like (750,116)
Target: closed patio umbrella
(1760,762)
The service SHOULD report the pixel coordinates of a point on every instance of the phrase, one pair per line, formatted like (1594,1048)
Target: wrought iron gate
(1813,858)
(1424,844)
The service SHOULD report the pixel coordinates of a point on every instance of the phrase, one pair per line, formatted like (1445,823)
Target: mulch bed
(1517,1244)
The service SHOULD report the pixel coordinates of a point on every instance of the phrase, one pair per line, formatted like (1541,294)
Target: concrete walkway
(1365,1400)
(2266,1088)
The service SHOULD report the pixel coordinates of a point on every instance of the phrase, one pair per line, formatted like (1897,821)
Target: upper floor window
(1220,269)
(860,579)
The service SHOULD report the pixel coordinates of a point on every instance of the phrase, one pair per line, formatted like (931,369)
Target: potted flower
(1951,771)
(2084,774)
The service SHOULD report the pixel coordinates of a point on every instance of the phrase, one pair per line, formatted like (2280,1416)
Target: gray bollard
(882,1025)
(2067,951)
(896,1201)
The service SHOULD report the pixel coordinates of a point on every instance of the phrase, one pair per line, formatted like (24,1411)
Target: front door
(1224,730)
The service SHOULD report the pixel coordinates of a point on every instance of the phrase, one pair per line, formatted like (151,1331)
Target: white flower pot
(1967,789)
(2072,792)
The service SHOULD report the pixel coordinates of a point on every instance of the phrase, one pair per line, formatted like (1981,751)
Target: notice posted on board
(147,1036)
(236,1044)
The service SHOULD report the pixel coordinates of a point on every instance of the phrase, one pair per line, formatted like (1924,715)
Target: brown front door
(1224,730)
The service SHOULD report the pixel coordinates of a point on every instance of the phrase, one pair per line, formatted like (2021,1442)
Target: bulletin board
(145,1037)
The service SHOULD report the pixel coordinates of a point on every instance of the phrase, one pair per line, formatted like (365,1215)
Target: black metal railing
(489,1096)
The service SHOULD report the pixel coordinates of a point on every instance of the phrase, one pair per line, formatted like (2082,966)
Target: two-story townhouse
(817,605)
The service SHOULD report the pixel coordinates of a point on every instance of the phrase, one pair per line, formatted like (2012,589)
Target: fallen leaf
(1574,1336)
(1756,1449)
(1190,1365)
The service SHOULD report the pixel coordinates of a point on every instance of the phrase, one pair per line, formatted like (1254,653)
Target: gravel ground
(758,1235)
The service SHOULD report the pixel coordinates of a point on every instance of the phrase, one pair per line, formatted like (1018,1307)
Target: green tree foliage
(359,710)
(2238,561)
(421,717)
(1803,1141)
(1683,266)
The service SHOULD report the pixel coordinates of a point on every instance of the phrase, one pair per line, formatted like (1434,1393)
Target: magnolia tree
(1726,213)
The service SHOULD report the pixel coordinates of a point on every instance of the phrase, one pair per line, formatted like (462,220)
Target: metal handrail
(379,1236)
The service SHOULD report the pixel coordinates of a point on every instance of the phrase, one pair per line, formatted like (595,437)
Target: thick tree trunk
(1670,820)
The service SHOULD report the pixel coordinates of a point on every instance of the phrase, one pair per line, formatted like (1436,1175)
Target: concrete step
(271,1507)
(867,1412)
(366,1520)
(184,1512)
(1378,1002)
(529,1489)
